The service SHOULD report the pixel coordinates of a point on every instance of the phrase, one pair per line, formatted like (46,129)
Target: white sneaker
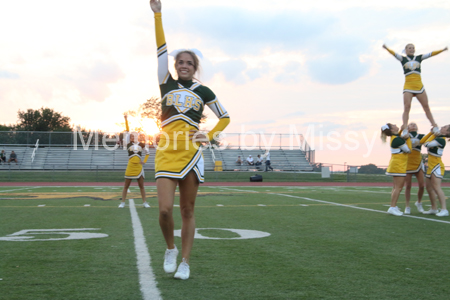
(394,211)
(442,213)
(170,260)
(183,271)
(407,211)
(419,206)
(146,205)
(122,205)
(430,212)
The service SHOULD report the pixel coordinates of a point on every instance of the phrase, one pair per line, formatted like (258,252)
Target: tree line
(38,123)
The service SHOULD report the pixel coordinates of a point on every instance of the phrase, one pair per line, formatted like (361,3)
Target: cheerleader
(179,160)
(135,169)
(414,167)
(435,172)
(413,82)
(397,165)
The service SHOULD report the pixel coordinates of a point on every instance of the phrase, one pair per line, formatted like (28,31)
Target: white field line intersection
(147,279)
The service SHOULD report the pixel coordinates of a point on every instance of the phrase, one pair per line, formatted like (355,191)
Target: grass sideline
(237,176)
(324,243)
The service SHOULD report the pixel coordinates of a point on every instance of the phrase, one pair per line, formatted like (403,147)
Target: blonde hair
(409,44)
(386,132)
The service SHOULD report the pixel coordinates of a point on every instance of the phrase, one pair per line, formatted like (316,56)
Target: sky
(315,68)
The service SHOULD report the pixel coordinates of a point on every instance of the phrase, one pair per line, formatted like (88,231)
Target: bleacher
(67,158)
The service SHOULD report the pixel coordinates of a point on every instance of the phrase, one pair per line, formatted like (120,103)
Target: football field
(261,242)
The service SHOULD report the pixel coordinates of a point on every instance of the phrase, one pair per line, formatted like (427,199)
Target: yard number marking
(28,235)
(244,234)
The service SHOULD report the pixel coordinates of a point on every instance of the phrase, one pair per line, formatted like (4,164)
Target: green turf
(316,250)
(117,176)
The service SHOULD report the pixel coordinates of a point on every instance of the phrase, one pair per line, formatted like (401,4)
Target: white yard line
(23,188)
(146,277)
(361,208)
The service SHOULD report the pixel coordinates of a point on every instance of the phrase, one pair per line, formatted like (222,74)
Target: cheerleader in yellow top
(413,82)
(397,165)
(414,167)
(135,169)
(436,169)
(179,160)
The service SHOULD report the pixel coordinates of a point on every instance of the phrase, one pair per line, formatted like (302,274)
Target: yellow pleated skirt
(397,165)
(415,163)
(134,168)
(176,155)
(413,84)
(435,166)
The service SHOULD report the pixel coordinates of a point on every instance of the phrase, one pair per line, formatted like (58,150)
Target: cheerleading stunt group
(179,161)
(406,143)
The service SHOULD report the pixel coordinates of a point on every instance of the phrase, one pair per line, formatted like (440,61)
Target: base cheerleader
(414,167)
(436,169)
(397,165)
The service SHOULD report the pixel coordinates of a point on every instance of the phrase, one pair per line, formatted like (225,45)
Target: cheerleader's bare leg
(407,99)
(399,181)
(188,194)
(423,100)
(431,193)
(436,182)
(421,182)
(125,189)
(142,188)
(408,184)
(166,195)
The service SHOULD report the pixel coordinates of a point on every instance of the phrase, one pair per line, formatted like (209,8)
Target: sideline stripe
(361,208)
(247,191)
(146,277)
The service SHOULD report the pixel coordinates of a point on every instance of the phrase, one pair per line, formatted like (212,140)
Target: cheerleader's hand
(405,134)
(436,131)
(415,142)
(197,136)
(155,5)
(142,163)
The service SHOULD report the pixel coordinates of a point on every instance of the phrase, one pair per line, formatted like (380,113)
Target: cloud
(8,75)
(92,79)
(232,70)
(333,69)
(294,114)
(331,43)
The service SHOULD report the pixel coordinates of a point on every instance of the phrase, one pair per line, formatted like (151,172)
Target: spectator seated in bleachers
(13,157)
(250,161)
(239,161)
(3,157)
(258,160)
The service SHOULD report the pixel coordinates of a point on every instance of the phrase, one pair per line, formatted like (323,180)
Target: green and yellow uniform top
(415,157)
(412,69)
(135,149)
(435,146)
(399,157)
(183,102)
